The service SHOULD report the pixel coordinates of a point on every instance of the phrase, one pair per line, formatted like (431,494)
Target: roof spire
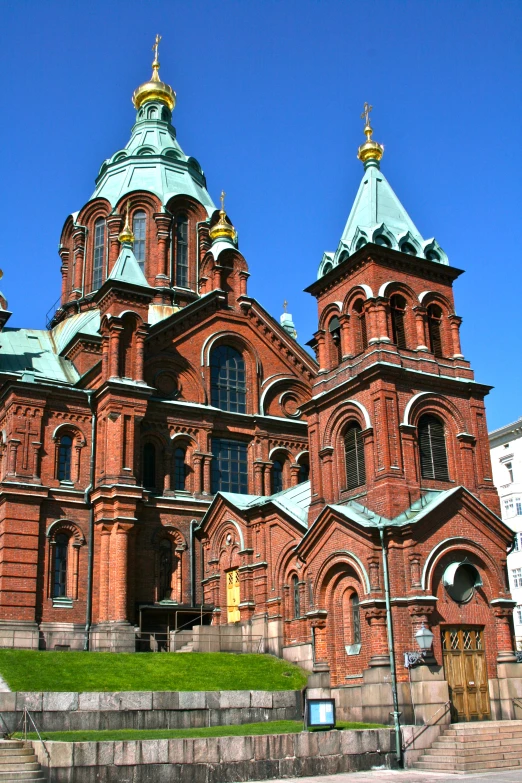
(126,235)
(287,322)
(223,229)
(155,89)
(371,152)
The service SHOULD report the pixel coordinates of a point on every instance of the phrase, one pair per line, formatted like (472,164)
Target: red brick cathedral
(172,457)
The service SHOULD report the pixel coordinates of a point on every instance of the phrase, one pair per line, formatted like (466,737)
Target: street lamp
(424,639)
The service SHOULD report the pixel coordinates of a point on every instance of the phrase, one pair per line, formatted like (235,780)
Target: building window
(304,471)
(61,544)
(508,507)
(432,448)
(296,597)
(517,542)
(180,469)
(518,504)
(149,466)
(64,458)
(99,253)
(397,309)
(165,570)
(228,379)
(334,327)
(229,466)
(519,614)
(354,456)
(359,323)
(509,468)
(277,476)
(516,576)
(139,229)
(356,619)
(182,251)
(434,329)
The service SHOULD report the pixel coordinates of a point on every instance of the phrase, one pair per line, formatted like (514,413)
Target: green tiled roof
(32,353)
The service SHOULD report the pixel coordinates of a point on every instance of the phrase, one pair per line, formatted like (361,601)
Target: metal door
(466,673)
(233,597)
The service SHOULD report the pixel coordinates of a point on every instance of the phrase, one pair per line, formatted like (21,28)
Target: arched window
(165,570)
(61,544)
(397,308)
(359,325)
(356,618)
(434,329)
(182,279)
(432,448)
(149,466)
(125,347)
(304,470)
(327,268)
(408,248)
(334,327)
(295,596)
(64,458)
(383,240)
(354,455)
(99,253)
(139,229)
(228,379)
(277,476)
(180,469)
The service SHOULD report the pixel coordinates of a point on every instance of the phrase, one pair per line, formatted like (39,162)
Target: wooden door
(233,597)
(466,673)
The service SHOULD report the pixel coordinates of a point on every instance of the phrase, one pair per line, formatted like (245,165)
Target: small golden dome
(155,89)
(222,229)
(126,234)
(370,150)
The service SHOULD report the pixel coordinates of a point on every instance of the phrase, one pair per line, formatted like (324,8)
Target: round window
(461,580)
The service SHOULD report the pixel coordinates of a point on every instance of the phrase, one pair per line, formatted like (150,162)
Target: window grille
(182,252)
(434,329)
(397,309)
(356,619)
(432,447)
(354,456)
(99,253)
(229,466)
(149,466)
(228,379)
(61,543)
(277,476)
(296,596)
(64,458)
(139,229)
(180,469)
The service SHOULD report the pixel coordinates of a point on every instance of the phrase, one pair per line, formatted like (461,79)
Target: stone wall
(218,759)
(150,710)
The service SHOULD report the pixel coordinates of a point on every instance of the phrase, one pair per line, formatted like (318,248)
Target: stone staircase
(18,762)
(189,647)
(469,747)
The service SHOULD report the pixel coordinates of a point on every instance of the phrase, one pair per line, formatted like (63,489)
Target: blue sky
(269,98)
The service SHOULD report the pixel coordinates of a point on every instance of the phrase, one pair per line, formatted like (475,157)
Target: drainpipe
(391,649)
(192,543)
(89,504)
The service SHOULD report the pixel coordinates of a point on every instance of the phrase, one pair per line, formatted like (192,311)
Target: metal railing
(446,707)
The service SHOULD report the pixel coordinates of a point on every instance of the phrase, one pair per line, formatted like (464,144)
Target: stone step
(494,753)
(29,775)
(9,744)
(464,739)
(26,767)
(470,748)
(436,764)
(12,759)
(18,751)
(487,725)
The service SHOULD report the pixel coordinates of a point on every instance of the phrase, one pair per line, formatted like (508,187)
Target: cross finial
(155,49)
(222,199)
(285,305)
(366,117)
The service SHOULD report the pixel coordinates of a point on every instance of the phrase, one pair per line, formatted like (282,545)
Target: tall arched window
(334,327)
(228,379)
(434,329)
(295,596)
(149,466)
(180,469)
(182,278)
(277,476)
(139,229)
(61,544)
(304,470)
(432,448)
(359,325)
(64,458)
(356,618)
(354,455)
(165,570)
(397,309)
(99,253)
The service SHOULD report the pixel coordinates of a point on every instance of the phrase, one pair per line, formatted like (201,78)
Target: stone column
(455,323)
(420,325)
(503,623)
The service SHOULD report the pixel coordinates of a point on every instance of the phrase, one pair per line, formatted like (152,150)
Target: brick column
(259,467)
(119,581)
(344,320)
(198,463)
(114,227)
(163,228)
(326,456)
(376,619)
(207,482)
(321,350)
(243,277)
(141,334)
(114,347)
(420,325)
(64,255)
(455,323)
(79,257)
(103,599)
(382,320)
(294,474)
(371,321)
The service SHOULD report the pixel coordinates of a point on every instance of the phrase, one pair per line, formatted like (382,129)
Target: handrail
(425,726)
(517,700)
(27,714)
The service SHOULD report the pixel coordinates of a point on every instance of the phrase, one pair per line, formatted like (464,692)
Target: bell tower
(396,412)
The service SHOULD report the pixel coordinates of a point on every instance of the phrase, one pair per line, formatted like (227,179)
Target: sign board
(320,713)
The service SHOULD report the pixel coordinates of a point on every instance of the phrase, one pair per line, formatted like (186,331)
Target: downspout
(89,504)
(391,649)
(193,523)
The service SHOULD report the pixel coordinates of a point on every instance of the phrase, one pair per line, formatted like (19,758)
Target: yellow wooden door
(233,597)
(465,670)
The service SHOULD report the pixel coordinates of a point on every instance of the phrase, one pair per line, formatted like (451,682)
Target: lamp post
(424,638)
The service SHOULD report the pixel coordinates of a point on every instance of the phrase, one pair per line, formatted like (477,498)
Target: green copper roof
(378,216)
(126,269)
(153,161)
(31,353)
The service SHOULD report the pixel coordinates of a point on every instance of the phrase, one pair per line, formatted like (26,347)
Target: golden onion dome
(155,89)
(126,234)
(370,150)
(222,229)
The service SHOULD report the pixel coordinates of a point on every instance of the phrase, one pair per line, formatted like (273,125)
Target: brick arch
(253,364)
(287,399)
(331,309)
(340,558)
(285,564)
(350,409)
(139,199)
(79,442)
(361,291)
(189,382)
(70,428)
(438,405)
(427,297)
(219,537)
(399,288)
(462,544)
(98,207)
(67,526)
(341,579)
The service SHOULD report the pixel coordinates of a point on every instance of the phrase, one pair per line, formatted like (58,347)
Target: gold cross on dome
(366,113)
(222,199)
(156,46)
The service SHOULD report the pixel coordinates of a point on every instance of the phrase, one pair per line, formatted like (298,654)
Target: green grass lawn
(34,670)
(246,730)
